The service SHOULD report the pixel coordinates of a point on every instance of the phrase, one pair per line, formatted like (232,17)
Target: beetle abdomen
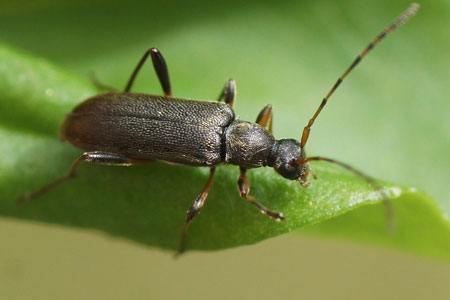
(153,127)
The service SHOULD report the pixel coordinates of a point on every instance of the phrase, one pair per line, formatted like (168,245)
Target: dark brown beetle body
(123,128)
(180,131)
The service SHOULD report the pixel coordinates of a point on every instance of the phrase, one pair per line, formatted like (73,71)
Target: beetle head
(287,158)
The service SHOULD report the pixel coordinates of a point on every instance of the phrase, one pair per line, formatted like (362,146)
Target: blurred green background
(287,53)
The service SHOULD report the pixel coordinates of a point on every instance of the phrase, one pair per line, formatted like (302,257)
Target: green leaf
(147,203)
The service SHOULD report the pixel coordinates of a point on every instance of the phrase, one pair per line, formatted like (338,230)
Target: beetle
(125,128)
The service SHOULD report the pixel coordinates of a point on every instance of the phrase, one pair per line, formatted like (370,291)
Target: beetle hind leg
(160,66)
(100,85)
(244,190)
(101,158)
(228,94)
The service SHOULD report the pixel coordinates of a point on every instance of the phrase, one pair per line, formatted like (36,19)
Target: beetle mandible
(124,128)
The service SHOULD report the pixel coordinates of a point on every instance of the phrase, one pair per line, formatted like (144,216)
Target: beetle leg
(265,117)
(228,93)
(99,85)
(244,190)
(160,66)
(101,158)
(195,208)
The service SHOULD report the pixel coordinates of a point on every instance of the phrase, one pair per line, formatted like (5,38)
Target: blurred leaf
(147,203)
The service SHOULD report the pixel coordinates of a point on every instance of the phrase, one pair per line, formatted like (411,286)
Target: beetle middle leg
(195,208)
(244,190)
(160,66)
(101,158)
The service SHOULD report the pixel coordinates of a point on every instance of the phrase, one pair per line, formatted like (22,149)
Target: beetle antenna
(369,180)
(399,21)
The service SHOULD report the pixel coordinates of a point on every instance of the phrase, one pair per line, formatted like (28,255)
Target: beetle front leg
(228,93)
(101,158)
(244,190)
(194,210)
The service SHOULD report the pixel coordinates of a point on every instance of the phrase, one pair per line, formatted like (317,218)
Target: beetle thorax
(248,145)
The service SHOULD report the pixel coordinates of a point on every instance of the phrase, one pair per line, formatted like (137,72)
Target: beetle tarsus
(36,194)
(244,190)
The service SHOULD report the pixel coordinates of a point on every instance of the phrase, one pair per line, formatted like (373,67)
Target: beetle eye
(292,164)
(288,170)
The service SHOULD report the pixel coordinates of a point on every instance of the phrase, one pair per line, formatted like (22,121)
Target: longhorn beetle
(124,128)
